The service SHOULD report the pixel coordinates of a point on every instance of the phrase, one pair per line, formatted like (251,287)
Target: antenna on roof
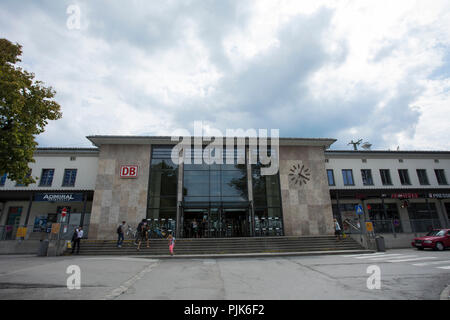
(355,144)
(366,145)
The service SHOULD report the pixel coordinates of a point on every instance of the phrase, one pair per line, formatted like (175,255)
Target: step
(208,246)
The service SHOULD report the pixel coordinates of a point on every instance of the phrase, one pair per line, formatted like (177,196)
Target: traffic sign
(359,209)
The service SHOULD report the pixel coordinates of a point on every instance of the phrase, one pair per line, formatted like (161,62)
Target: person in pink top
(171,243)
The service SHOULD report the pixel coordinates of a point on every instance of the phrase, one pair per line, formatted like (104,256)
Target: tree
(26,106)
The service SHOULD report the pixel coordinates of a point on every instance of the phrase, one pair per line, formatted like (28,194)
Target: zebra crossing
(415,260)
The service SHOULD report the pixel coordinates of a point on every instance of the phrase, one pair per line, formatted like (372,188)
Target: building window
(163,186)
(404,177)
(366,175)
(364,160)
(2,180)
(347,175)
(423,217)
(330,175)
(46,177)
(70,176)
(422,175)
(447,208)
(440,176)
(385,177)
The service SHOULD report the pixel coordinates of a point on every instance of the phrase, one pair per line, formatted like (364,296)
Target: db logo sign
(128,171)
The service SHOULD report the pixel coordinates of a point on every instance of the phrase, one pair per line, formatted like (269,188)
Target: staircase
(217,246)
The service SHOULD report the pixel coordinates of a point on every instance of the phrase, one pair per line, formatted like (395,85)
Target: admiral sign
(58,197)
(130,171)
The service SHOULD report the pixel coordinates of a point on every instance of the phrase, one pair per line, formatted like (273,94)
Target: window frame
(332,176)
(41,183)
(74,180)
(370,175)
(443,182)
(406,177)
(344,177)
(388,176)
(427,181)
(3,179)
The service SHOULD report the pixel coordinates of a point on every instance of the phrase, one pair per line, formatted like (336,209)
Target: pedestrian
(120,234)
(171,239)
(141,232)
(337,229)
(195,228)
(76,238)
(147,234)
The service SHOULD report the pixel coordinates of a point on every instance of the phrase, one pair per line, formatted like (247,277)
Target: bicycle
(161,233)
(133,233)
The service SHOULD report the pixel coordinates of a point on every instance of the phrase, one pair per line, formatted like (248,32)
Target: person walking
(147,234)
(171,239)
(76,238)
(337,229)
(195,228)
(141,232)
(120,234)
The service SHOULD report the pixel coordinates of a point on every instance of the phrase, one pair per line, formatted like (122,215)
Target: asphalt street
(404,274)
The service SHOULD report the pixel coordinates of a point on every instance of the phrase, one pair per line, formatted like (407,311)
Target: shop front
(34,213)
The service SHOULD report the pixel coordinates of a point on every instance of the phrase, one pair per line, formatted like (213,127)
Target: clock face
(299,174)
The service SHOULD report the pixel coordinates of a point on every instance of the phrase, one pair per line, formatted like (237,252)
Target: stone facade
(306,199)
(118,199)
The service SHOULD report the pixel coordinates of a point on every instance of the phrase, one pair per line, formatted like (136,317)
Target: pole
(84,209)
(28,214)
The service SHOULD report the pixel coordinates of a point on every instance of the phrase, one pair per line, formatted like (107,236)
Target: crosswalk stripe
(412,259)
(363,255)
(397,257)
(446,268)
(430,263)
(386,255)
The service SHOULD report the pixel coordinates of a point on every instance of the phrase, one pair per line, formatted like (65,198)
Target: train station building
(130,178)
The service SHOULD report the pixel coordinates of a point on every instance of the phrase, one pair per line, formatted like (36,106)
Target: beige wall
(117,199)
(307,207)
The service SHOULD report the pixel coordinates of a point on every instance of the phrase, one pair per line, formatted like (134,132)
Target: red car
(437,239)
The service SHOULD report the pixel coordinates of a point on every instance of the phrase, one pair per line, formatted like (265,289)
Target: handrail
(348,222)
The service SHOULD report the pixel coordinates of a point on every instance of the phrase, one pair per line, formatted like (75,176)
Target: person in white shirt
(337,229)
(78,234)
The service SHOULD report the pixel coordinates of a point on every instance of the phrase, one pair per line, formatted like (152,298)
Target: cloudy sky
(373,70)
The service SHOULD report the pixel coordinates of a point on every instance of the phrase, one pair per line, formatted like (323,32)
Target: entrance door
(195,223)
(236,222)
(13,221)
(215,223)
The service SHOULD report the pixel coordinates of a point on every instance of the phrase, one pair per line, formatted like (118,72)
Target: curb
(248,255)
(445,294)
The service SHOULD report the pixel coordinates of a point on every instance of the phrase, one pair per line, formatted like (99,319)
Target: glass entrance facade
(214,201)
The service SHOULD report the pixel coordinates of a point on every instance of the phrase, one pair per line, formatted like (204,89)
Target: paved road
(405,274)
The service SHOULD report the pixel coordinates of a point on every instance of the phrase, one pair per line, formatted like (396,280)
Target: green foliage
(26,106)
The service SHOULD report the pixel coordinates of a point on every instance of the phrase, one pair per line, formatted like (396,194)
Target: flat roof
(62,150)
(384,153)
(98,140)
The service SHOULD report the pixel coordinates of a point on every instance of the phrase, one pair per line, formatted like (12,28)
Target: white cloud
(377,70)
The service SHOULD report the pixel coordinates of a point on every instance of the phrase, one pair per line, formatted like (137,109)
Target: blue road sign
(359,209)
